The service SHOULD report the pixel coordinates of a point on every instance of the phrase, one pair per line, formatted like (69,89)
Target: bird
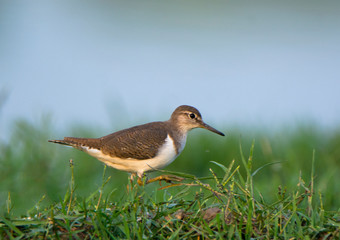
(143,148)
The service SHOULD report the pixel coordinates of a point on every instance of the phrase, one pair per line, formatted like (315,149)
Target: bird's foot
(166,178)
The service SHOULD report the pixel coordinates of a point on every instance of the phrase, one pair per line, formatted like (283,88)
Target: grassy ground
(286,186)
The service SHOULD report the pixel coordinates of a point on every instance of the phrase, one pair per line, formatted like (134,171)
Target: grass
(285,187)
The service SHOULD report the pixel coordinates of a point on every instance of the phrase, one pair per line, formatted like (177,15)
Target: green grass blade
(225,169)
(12,226)
(179,174)
(263,166)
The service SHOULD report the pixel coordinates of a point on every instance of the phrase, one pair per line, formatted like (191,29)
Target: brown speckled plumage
(128,143)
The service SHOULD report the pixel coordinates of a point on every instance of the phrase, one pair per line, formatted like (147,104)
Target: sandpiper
(146,147)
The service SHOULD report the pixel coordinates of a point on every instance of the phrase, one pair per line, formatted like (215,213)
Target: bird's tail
(78,142)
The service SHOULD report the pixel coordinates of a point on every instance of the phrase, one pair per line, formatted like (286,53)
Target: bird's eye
(192,116)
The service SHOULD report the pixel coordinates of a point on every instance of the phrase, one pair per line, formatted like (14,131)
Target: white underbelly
(166,155)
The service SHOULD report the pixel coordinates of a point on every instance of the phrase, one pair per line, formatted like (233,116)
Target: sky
(110,63)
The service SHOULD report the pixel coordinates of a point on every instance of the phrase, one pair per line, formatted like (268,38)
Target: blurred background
(263,70)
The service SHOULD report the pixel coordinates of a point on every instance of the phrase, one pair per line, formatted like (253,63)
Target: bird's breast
(181,144)
(167,153)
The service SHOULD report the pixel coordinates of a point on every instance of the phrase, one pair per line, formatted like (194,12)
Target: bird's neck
(179,136)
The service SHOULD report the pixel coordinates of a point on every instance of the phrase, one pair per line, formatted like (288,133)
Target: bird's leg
(140,181)
(166,178)
(131,178)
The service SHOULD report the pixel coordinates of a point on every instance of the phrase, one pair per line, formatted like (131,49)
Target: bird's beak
(206,126)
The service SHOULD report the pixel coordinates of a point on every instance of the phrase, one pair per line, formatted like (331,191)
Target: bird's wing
(140,142)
